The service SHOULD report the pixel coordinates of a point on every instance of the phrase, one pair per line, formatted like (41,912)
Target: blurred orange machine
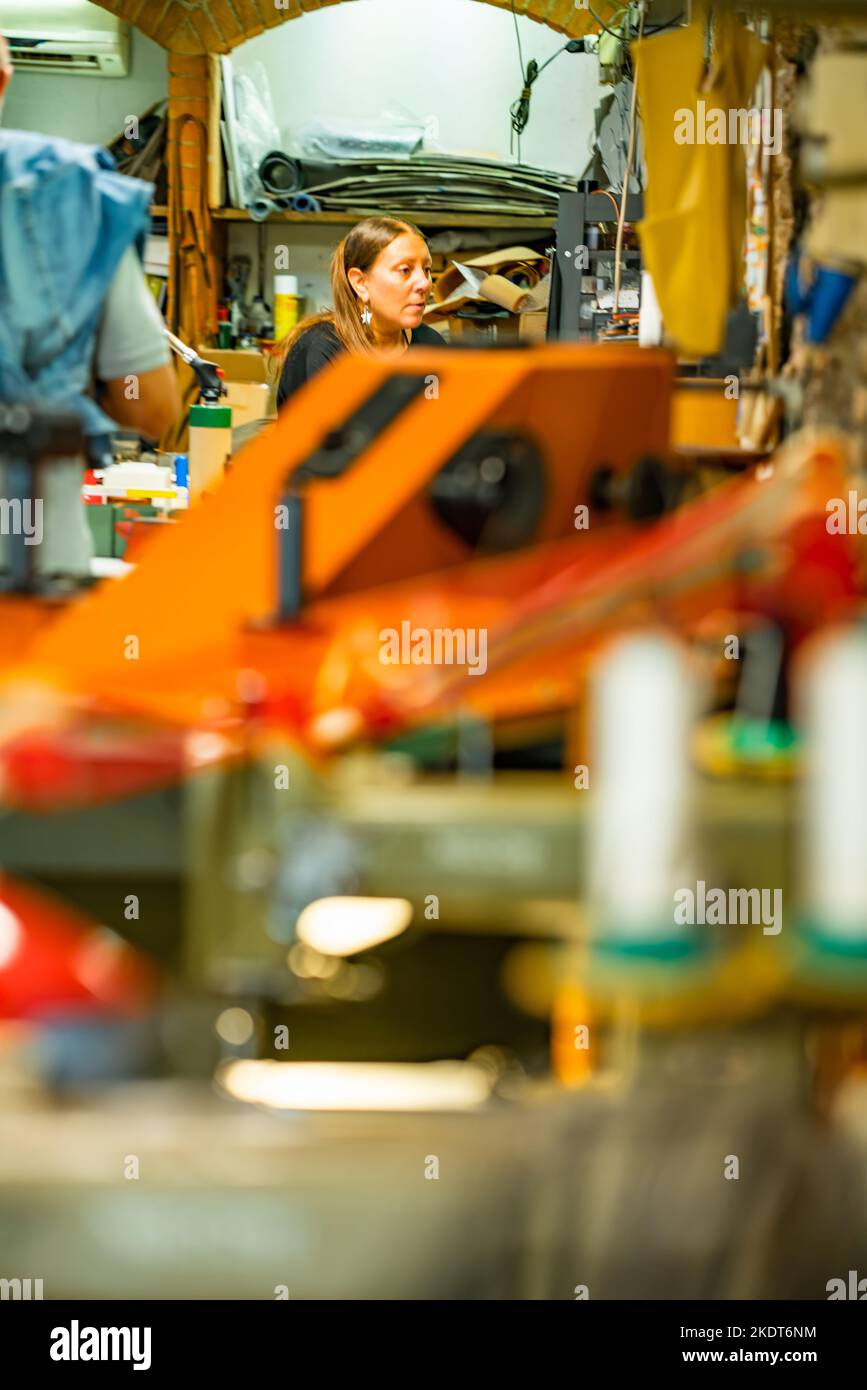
(490,491)
(376,473)
(451,489)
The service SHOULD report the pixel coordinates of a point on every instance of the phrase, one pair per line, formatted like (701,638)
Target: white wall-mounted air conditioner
(65,36)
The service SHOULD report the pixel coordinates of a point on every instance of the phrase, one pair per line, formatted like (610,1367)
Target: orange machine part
(182,639)
(159,634)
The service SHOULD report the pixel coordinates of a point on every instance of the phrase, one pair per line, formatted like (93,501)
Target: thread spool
(833,695)
(642,710)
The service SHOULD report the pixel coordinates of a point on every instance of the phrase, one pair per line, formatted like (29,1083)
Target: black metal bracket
(576,208)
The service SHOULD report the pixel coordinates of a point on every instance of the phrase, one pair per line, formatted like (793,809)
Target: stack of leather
(444,183)
(422,183)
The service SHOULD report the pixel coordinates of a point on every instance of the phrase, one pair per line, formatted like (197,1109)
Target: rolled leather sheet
(281,175)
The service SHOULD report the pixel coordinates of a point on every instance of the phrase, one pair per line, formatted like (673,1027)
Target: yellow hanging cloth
(695,201)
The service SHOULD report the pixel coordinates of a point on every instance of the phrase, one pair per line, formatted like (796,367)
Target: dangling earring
(366,315)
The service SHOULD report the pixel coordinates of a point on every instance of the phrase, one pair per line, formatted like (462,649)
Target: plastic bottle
(210,446)
(224,328)
(286,305)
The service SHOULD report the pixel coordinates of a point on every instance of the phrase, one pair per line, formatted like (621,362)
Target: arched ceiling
(217,26)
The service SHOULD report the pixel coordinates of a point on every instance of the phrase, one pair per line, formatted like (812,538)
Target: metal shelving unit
(569,314)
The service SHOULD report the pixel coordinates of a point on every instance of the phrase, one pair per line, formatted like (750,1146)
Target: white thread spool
(643,703)
(833,690)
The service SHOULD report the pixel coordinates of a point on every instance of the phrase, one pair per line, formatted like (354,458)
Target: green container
(101,520)
(211,417)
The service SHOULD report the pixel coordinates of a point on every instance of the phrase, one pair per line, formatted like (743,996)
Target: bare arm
(148,403)
(133,362)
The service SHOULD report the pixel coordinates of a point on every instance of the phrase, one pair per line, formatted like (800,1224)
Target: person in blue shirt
(78,325)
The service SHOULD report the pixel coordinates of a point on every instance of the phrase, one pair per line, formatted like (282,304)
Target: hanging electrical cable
(519,111)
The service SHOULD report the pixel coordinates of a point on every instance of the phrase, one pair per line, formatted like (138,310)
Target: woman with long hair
(380,281)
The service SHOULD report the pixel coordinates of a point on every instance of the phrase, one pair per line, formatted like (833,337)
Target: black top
(319,344)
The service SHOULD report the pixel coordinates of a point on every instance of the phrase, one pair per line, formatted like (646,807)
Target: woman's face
(398,283)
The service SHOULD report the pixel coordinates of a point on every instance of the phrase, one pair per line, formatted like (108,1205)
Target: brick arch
(217,26)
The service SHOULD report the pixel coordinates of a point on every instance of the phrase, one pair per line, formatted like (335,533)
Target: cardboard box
(532,327)
(238,364)
(483,335)
(250,401)
(252,394)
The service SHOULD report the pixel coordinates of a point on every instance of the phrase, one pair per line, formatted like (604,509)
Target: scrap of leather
(510,278)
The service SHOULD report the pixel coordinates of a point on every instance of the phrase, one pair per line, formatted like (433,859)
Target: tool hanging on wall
(140,148)
(192,275)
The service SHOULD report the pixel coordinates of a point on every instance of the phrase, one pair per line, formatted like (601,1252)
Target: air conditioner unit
(65,36)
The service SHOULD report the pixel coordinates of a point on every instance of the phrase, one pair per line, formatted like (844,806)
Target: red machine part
(54,959)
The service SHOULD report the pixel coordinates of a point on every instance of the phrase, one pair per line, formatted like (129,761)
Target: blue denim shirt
(66,219)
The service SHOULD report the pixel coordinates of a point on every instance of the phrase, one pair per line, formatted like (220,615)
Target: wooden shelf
(421,218)
(158,210)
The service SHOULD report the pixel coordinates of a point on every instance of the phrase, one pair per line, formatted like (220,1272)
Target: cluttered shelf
(492,225)
(423,219)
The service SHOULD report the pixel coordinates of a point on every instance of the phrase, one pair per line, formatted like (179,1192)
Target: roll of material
(498,289)
(305,202)
(280,174)
(260,208)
